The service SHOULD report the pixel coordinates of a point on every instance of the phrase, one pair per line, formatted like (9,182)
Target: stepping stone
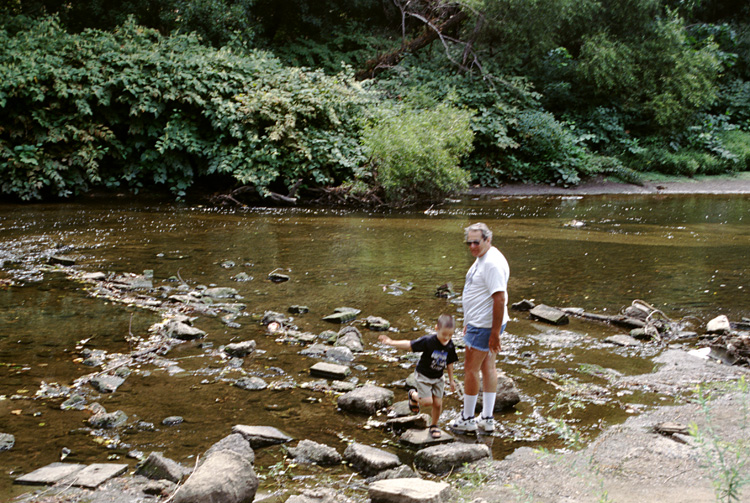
(329,371)
(261,436)
(421,438)
(50,474)
(95,474)
(549,314)
(409,490)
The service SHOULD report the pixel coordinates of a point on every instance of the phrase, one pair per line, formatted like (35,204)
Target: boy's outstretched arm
(396,344)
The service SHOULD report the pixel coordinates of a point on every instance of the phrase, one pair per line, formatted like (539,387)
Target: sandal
(413,404)
(435,431)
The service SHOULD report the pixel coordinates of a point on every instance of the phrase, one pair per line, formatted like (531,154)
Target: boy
(438,353)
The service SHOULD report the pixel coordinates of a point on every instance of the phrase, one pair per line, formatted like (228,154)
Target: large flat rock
(90,476)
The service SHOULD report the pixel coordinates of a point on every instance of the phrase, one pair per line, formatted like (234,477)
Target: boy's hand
(453,387)
(384,339)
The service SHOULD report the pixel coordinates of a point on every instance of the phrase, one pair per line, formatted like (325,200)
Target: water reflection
(684,254)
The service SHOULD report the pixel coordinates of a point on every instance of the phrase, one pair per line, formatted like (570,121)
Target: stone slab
(50,474)
(329,371)
(97,473)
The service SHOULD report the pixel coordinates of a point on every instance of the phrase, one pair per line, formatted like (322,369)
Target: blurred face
(478,246)
(444,335)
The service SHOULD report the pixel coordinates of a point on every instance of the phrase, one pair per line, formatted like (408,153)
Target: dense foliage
(132,107)
(145,93)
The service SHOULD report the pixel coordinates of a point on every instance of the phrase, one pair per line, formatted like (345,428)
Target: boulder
(261,436)
(718,325)
(367,399)
(240,349)
(409,490)
(224,477)
(370,460)
(157,467)
(234,442)
(440,459)
(549,314)
(311,452)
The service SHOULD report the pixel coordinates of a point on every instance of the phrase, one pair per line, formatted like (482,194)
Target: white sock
(470,406)
(488,404)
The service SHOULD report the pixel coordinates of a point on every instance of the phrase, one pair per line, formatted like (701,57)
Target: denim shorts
(479,338)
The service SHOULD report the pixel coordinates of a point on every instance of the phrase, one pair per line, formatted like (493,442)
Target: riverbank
(653,184)
(651,458)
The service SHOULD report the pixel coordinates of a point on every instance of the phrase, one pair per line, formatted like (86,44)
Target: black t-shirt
(435,357)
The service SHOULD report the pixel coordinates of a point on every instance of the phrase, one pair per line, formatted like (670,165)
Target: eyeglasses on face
(474,242)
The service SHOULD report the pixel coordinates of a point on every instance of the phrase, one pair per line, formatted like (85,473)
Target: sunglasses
(474,242)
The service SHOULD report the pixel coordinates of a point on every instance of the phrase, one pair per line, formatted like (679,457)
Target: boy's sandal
(413,404)
(435,431)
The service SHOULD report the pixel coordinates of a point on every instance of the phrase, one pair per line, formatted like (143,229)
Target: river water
(685,255)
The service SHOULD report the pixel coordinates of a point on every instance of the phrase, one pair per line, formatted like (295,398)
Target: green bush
(738,143)
(415,153)
(137,109)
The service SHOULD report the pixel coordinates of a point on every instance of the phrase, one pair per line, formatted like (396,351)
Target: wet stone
(172,420)
(403,423)
(261,436)
(311,452)
(421,438)
(370,460)
(220,293)
(61,260)
(50,474)
(95,474)
(251,383)
(440,459)
(7,441)
(108,420)
(296,309)
(156,466)
(367,399)
(75,402)
(622,340)
(549,314)
(240,349)
(329,370)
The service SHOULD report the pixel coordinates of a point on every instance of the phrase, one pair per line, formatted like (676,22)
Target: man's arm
(498,313)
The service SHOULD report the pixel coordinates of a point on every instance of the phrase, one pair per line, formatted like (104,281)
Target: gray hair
(479,226)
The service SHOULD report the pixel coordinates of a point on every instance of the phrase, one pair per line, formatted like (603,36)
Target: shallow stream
(686,255)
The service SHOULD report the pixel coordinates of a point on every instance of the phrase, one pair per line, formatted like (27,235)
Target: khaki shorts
(427,387)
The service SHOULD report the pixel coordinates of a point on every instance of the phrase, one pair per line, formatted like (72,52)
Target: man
(485,303)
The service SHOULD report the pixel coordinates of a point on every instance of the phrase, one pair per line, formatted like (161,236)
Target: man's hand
(495,343)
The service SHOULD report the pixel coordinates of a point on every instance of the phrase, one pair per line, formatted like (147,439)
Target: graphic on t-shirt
(439,359)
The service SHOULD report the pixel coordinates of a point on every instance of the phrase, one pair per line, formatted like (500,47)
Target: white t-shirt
(487,275)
